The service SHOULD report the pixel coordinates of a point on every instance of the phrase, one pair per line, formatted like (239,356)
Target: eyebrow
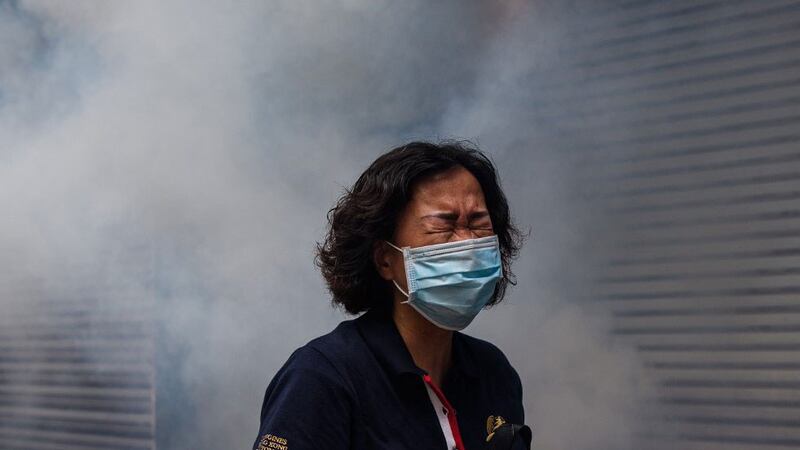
(451,216)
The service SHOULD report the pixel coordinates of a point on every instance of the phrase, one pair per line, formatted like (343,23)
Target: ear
(382,258)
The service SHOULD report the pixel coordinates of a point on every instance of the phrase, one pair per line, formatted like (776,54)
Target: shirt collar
(382,337)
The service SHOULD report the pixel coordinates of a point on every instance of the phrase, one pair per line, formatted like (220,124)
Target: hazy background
(178,158)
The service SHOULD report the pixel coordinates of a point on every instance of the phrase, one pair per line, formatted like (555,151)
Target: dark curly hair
(368,212)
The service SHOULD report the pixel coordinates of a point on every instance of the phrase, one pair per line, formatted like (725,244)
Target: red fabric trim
(451,412)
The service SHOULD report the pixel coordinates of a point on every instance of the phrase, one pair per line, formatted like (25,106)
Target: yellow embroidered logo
(269,441)
(492,424)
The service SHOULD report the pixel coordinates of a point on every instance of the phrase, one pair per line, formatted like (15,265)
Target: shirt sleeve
(306,406)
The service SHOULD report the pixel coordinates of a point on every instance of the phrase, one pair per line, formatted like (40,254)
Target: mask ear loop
(401,291)
(395,282)
(394,246)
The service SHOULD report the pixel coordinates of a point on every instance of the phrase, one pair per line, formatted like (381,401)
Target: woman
(421,243)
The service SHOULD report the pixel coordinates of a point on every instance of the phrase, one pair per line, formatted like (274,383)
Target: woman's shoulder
(329,354)
(308,400)
(492,364)
(341,345)
(481,350)
(485,355)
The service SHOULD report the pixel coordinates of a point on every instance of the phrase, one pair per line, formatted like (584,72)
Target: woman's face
(445,207)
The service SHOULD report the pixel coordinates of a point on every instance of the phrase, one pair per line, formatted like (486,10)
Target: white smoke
(189,150)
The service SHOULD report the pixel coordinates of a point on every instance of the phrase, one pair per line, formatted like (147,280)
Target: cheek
(486,226)
(398,266)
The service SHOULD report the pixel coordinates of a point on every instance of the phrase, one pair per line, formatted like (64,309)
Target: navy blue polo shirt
(357,387)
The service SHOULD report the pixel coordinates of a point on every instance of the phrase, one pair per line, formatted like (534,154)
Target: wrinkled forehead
(453,189)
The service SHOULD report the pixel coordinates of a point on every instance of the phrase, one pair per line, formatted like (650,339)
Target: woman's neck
(429,345)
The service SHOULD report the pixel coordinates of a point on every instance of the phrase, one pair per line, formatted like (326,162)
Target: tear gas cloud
(179,157)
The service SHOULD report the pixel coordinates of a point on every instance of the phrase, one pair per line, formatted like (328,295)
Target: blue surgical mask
(450,283)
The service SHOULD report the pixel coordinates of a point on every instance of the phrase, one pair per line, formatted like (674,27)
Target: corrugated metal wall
(686,117)
(76,370)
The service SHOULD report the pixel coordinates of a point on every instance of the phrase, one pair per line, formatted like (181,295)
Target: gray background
(166,167)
